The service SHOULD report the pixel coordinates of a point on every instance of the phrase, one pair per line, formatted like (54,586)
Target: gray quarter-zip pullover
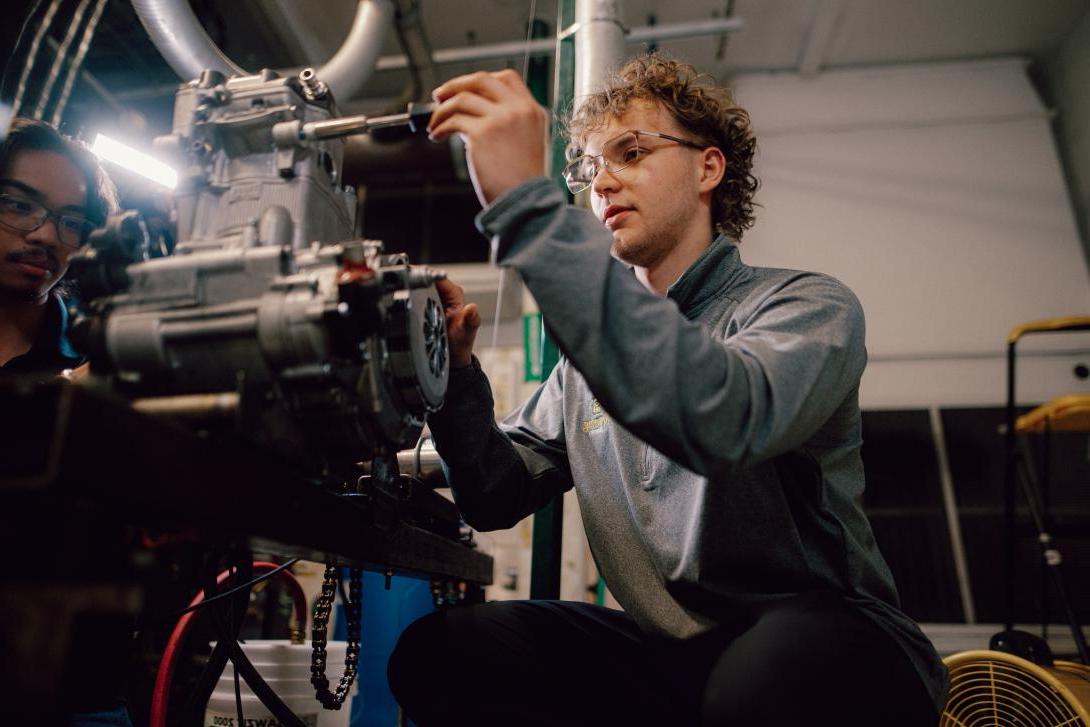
(712,436)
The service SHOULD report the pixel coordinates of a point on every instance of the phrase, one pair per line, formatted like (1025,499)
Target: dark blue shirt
(50,354)
(51,351)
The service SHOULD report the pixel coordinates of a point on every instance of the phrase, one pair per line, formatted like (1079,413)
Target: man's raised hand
(502,125)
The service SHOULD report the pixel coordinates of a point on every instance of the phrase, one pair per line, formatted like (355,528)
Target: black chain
(352,610)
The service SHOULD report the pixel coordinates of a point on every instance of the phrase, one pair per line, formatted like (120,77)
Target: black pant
(804,660)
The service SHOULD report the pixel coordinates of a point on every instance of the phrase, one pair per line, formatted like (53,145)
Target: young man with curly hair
(706,413)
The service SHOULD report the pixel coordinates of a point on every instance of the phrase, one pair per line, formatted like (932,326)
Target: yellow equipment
(992,688)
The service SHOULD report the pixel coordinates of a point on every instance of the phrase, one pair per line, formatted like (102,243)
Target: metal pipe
(953,524)
(32,54)
(511,49)
(333,128)
(413,38)
(348,70)
(658,33)
(599,44)
(547,46)
(295,133)
(423,463)
(179,36)
(59,61)
(77,62)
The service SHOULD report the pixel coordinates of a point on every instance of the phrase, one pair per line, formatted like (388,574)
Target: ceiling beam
(546,46)
(825,17)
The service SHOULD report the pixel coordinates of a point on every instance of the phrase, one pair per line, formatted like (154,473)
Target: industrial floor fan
(989,688)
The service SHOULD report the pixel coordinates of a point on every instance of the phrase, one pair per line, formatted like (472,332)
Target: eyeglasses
(26,215)
(620,152)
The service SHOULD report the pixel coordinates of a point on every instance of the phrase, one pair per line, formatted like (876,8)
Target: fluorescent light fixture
(5,120)
(135,161)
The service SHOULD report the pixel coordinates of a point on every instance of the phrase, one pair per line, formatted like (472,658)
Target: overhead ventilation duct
(413,39)
(348,70)
(179,36)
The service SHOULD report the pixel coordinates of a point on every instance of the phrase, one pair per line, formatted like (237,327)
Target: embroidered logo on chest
(598,418)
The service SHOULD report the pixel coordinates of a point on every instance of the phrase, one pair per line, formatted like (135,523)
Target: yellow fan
(989,688)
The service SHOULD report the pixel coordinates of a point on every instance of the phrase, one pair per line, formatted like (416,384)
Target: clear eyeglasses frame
(23,214)
(620,152)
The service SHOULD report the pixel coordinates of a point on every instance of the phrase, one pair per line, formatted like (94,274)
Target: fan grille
(991,688)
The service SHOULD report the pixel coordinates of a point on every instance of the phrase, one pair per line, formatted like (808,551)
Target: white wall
(935,193)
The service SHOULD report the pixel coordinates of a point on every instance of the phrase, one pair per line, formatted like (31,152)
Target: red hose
(161,694)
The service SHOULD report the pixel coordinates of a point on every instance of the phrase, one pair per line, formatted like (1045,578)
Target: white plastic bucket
(286,669)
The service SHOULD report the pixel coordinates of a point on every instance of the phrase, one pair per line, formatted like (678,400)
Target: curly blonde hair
(702,107)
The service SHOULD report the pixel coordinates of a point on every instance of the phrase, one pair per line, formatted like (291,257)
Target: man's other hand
(80,374)
(462,322)
(502,125)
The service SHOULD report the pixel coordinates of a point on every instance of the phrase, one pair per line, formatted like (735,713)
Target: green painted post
(548,521)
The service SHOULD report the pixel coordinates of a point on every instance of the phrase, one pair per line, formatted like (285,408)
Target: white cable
(32,54)
(77,61)
(496,317)
(503,271)
(529,37)
(62,54)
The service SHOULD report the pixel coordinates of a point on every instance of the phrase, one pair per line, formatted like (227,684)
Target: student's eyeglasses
(620,152)
(26,215)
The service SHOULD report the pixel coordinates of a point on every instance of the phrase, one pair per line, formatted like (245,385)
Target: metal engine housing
(325,346)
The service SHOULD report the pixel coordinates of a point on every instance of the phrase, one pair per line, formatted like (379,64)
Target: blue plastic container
(386,613)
